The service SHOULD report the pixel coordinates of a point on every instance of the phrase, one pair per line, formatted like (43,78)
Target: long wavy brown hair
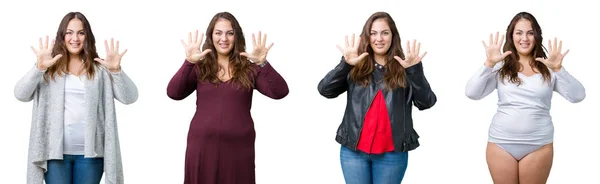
(88,53)
(395,75)
(511,65)
(241,67)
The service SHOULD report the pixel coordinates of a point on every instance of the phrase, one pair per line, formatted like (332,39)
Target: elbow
(21,97)
(282,94)
(473,95)
(327,94)
(578,98)
(174,95)
(427,104)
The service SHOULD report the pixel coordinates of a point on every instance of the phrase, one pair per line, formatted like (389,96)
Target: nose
(380,37)
(223,38)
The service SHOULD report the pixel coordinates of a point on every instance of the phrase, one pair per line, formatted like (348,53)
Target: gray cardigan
(101,134)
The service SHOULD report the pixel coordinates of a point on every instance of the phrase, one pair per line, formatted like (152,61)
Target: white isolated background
(295,136)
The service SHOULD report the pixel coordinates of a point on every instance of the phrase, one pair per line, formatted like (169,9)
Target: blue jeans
(74,169)
(362,168)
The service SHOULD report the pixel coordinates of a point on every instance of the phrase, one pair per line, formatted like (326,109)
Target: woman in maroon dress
(220,143)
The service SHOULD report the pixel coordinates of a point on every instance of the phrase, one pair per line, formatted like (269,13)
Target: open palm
(259,49)
(350,51)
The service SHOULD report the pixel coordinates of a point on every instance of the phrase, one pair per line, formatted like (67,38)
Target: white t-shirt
(523,115)
(74,115)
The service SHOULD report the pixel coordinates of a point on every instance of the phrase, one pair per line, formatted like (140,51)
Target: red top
(376,134)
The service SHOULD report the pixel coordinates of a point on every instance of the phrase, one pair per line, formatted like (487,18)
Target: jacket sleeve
(270,83)
(422,95)
(25,88)
(335,82)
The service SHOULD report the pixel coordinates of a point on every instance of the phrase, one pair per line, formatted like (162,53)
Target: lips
(379,46)
(525,45)
(75,45)
(224,45)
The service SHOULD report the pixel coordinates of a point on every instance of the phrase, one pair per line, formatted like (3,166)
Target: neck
(223,61)
(75,57)
(525,59)
(380,59)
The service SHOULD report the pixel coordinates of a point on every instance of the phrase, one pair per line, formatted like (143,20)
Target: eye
(372,34)
(518,33)
(230,33)
(530,33)
(386,33)
(81,33)
(218,33)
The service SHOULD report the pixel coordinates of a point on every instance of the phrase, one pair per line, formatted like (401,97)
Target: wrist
(556,68)
(489,64)
(115,70)
(40,67)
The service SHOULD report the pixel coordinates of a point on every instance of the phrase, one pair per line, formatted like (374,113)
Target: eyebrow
(381,31)
(522,30)
(73,30)
(222,30)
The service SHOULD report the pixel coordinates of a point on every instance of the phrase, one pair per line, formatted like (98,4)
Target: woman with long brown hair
(382,82)
(520,144)
(74,127)
(220,143)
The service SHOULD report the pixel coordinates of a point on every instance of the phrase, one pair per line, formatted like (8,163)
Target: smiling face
(74,36)
(380,37)
(223,37)
(523,37)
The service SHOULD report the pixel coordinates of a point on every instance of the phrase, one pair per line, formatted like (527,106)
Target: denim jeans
(362,168)
(74,169)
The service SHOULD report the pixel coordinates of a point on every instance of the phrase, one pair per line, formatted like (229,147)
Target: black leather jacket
(398,103)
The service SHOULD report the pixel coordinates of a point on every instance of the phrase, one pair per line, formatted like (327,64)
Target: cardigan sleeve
(28,84)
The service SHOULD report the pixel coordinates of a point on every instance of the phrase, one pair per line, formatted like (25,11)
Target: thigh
(535,167)
(389,167)
(59,171)
(356,166)
(503,167)
(87,170)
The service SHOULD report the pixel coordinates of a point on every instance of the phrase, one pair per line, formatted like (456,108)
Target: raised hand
(492,51)
(44,55)
(193,52)
(113,58)
(350,51)
(555,58)
(259,51)
(411,54)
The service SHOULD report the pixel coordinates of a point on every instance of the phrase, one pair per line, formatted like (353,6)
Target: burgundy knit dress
(220,142)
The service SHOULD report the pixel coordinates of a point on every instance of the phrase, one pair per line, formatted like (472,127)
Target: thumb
(540,59)
(362,56)
(398,58)
(205,52)
(506,54)
(99,60)
(56,58)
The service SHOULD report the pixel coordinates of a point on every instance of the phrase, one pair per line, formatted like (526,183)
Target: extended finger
(46,43)
(34,51)
(117,48)
(41,45)
(338,46)
(259,38)
(422,56)
(201,40)
(501,40)
(125,51)
(253,40)
(418,48)
(106,46)
(559,47)
(408,47)
(264,41)
(112,44)
(347,44)
(353,40)
(196,36)
(189,37)
(496,38)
